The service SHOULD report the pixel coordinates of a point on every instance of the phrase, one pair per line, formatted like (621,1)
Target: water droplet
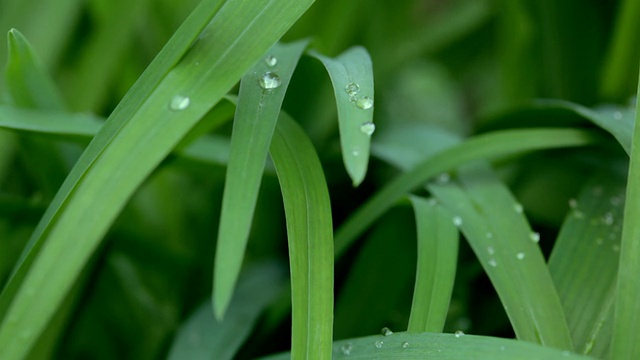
(490,250)
(355,153)
(364,103)
(489,235)
(379,344)
(346,349)
(503,348)
(386,331)
(269,81)
(368,128)
(607,218)
(573,203)
(457,220)
(617,115)
(518,208)
(179,102)
(535,237)
(405,345)
(520,255)
(493,262)
(459,333)
(271,61)
(615,248)
(352,90)
(443,178)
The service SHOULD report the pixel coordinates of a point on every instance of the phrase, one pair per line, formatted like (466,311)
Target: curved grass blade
(351,74)
(626,325)
(151,121)
(418,346)
(500,236)
(310,232)
(487,146)
(584,262)
(202,337)
(262,91)
(436,271)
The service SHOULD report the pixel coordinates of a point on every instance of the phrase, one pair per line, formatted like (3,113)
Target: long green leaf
(310,232)
(437,260)
(152,119)
(202,337)
(487,146)
(352,78)
(495,227)
(262,91)
(418,346)
(584,262)
(626,326)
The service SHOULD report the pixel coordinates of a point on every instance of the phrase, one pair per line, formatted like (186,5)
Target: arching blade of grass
(437,261)
(487,146)
(352,78)
(584,263)
(495,227)
(626,326)
(202,337)
(256,116)
(151,120)
(419,346)
(310,233)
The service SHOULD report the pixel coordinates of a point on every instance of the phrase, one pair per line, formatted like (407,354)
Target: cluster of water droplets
(270,80)
(353,89)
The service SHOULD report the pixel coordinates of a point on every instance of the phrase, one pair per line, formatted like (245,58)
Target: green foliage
(144,144)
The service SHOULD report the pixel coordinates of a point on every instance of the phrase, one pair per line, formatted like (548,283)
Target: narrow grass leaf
(436,270)
(310,232)
(262,91)
(55,125)
(584,262)
(351,74)
(418,346)
(152,120)
(202,337)
(626,326)
(487,146)
(500,236)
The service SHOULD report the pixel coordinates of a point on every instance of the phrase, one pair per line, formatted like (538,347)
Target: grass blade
(351,74)
(256,116)
(487,146)
(418,346)
(626,326)
(201,337)
(584,262)
(152,119)
(437,260)
(494,224)
(310,233)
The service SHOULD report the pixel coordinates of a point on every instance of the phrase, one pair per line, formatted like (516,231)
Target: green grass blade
(351,74)
(626,326)
(584,262)
(151,121)
(419,346)
(202,337)
(310,233)
(256,116)
(55,125)
(500,236)
(622,58)
(436,271)
(487,146)
(28,84)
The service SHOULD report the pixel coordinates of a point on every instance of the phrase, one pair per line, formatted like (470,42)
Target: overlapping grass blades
(495,227)
(352,78)
(626,326)
(310,233)
(584,262)
(166,102)
(255,120)
(487,146)
(436,269)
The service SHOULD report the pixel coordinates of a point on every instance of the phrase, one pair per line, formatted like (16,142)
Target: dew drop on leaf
(368,128)
(271,61)
(179,103)
(269,81)
(364,103)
